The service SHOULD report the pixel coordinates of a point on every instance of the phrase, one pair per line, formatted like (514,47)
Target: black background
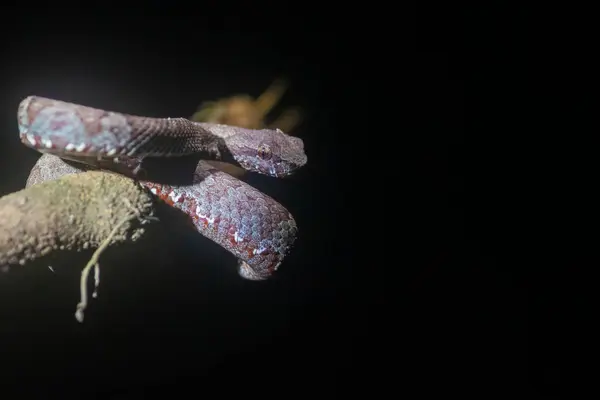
(434,302)
(179,318)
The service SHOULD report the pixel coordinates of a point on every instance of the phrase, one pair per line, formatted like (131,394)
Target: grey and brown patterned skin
(74,131)
(259,231)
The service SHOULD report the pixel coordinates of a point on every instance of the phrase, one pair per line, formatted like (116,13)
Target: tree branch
(75,212)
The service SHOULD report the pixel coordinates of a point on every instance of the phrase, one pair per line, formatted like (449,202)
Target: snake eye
(264,151)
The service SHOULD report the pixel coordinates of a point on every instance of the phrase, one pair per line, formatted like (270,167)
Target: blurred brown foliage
(244,111)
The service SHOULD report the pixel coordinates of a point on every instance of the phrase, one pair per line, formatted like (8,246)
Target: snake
(248,223)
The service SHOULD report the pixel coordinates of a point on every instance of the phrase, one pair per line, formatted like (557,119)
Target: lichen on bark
(75,212)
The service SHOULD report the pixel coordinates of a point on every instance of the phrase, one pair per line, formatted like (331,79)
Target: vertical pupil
(262,152)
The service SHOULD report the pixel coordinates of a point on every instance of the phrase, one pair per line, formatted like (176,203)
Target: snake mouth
(275,166)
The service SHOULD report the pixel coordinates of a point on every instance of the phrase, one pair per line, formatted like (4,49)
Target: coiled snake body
(253,226)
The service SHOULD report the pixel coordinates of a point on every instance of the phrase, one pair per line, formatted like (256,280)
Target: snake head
(267,151)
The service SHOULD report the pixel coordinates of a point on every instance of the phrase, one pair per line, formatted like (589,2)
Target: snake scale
(254,227)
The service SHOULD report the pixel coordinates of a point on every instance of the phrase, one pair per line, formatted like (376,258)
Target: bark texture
(75,212)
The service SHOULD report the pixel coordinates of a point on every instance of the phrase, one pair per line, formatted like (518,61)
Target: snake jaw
(273,167)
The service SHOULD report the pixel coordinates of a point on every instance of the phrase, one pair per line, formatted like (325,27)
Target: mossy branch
(74,212)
